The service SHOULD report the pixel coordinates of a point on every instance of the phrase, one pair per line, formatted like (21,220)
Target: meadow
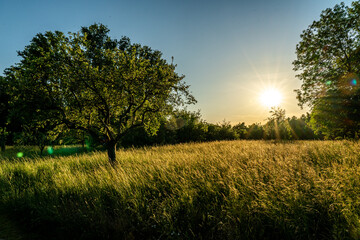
(215,190)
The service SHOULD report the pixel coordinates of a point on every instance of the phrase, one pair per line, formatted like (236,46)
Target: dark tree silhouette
(4,111)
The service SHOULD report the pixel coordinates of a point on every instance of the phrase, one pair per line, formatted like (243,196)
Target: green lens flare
(50,150)
(20,154)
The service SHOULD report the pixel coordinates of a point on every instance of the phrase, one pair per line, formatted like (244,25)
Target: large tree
(91,82)
(328,64)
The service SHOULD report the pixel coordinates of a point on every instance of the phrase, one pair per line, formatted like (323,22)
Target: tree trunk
(2,142)
(83,140)
(41,148)
(111,148)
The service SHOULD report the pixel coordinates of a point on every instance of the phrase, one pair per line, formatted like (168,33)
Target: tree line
(185,126)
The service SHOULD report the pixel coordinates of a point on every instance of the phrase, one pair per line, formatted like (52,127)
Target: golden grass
(216,190)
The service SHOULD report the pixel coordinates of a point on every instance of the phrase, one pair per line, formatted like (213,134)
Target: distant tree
(40,136)
(255,131)
(277,126)
(328,61)
(299,128)
(221,131)
(189,126)
(90,82)
(178,127)
(241,130)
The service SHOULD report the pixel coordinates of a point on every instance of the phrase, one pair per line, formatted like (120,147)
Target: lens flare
(50,150)
(353,82)
(20,154)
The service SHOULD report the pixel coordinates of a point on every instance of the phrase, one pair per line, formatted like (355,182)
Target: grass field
(216,190)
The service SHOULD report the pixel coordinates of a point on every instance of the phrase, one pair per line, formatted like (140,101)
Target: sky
(229,51)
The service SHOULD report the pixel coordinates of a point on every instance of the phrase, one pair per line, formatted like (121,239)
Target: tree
(189,126)
(277,126)
(328,53)
(4,112)
(328,61)
(89,81)
(32,134)
(255,131)
(337,115)
(241,130)
(299,128)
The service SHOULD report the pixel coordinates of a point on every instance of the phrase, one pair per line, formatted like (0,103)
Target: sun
(271,97)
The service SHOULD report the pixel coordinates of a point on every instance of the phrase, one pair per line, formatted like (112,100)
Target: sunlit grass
(217,190)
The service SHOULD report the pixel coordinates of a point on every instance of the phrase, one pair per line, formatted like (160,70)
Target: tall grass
(217,190)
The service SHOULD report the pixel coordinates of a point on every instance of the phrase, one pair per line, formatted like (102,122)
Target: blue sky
(229,51)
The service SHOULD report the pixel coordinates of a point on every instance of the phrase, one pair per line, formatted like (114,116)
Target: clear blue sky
(229,51)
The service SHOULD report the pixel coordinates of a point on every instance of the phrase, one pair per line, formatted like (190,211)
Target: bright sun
(271,97)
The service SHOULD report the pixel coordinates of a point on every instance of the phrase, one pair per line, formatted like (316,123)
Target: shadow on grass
(9,230)
(32,152)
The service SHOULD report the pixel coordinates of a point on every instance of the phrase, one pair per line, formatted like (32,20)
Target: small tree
(277,126)
(104,86)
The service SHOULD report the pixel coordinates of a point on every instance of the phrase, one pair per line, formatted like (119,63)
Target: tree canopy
(91,82)
(4,111)
(328,64)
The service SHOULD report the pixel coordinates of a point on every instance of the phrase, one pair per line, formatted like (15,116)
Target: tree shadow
(15,153)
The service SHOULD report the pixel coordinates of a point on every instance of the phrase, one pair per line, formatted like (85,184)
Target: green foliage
(336,115)
(39,136)
(276,127)
(328,60)
(241,130)
(189,126)
(327,52)
(217,190)
(4,112)
(255,131)
(222,131)
(90,82)
(300,128)
(184,126)
(181,126)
